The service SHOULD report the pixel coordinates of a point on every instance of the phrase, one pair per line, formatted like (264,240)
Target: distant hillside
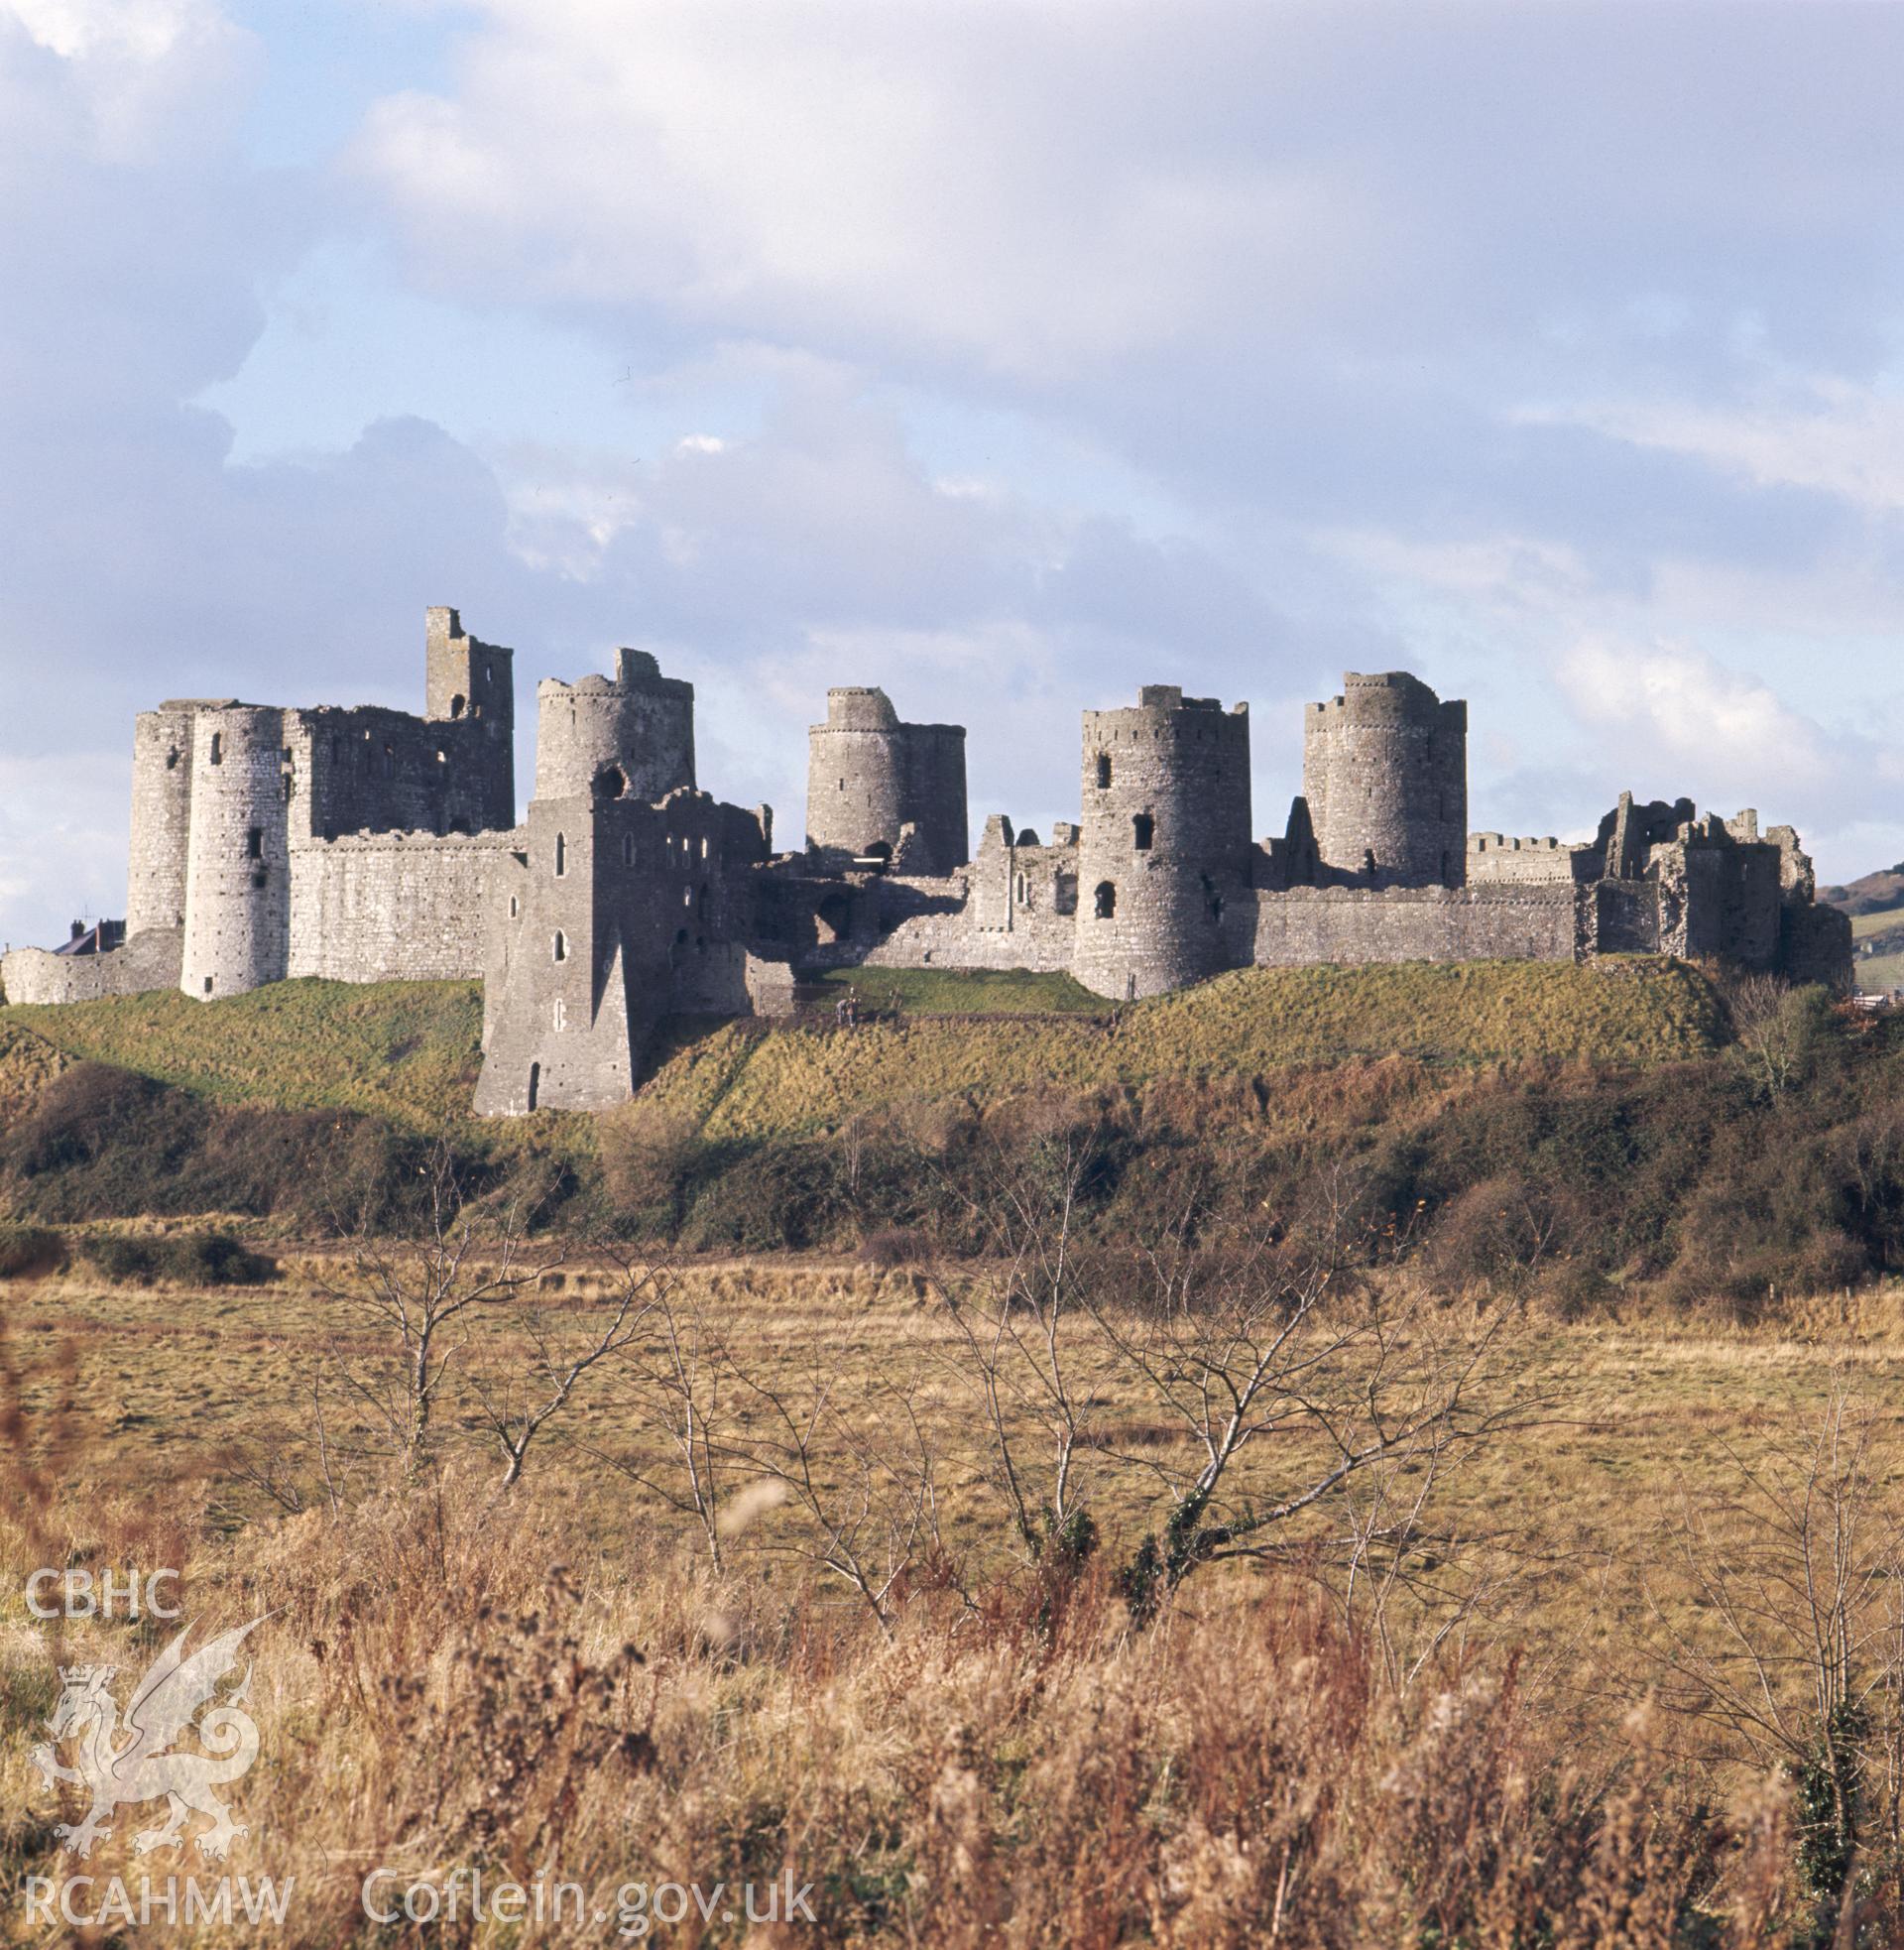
(1875,904)
(1876,893)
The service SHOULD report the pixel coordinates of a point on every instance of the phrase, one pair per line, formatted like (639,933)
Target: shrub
(895,1246)
(193,1259)
(30,1252)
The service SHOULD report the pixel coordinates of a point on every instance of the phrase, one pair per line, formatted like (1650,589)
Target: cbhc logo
(111,1594)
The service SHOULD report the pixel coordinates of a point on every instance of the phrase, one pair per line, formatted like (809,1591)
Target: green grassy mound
(742,1082)
(404,1051)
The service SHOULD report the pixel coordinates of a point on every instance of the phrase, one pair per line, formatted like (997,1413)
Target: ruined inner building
(367,844)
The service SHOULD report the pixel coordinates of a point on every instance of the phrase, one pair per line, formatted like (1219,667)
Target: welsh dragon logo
(133,1763)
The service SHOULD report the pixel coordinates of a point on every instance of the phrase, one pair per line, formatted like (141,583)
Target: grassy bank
(407,1051)
(737,1082)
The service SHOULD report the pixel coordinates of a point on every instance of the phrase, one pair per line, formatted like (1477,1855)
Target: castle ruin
(372,845)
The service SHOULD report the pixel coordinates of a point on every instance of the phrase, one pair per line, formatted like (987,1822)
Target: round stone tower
(1165,842)
(1385,770)
(868,776)
(160,817)
(238,863)
(631,736)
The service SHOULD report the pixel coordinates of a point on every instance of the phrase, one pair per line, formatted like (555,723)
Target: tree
(522,1387)
(410,1292)
(1783,1630)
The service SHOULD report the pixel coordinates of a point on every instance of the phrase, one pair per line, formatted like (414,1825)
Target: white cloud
(996,186)
(155,76)
(1681,712)
(1823,433)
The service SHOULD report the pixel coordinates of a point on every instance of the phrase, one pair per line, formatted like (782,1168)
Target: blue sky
(1009,354)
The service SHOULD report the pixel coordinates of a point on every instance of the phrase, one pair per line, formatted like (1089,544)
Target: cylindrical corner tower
(868,776)
(629,737)
(1165,841)
(1384,768)
(161,818)
(238,864)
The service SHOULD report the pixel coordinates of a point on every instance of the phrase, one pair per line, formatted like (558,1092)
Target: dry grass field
(558,1680)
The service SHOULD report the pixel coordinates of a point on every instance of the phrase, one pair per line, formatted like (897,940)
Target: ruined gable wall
(364,769)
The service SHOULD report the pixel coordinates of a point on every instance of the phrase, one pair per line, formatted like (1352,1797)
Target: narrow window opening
(255,843)
(217,748)
(459,705)
(561,945)
(207,984)
(1106,900)
(1104,770)
(561,855)
(534,1083)
(1143,829)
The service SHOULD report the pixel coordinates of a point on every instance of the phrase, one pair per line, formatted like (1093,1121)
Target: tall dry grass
(435,1692)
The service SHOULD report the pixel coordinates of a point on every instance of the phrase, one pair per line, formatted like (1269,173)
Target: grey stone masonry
(869,777)
(629,736)
(1164,850)
(1384,770)
(369,844)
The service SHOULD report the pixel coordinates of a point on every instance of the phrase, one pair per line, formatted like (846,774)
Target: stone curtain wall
(367,770)
(1495,860)
(1352,925)
(149,961)
(392,907)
